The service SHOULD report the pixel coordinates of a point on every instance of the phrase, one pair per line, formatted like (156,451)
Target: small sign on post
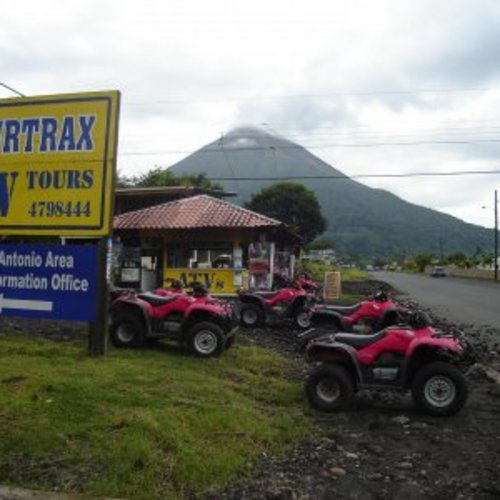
(48,281)
(331,285)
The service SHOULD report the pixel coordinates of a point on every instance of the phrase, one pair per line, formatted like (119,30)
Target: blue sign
(48,281)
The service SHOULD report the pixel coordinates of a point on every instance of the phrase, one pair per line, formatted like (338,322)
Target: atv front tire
(205,340)
(251,316)
(330,388)
(439,389)
(127,331)
(303,319)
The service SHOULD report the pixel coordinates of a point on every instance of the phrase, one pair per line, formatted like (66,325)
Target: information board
(48,281)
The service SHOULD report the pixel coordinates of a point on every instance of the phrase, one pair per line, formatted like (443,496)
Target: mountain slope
(361,220)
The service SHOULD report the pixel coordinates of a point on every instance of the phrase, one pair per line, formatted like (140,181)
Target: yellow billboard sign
(57,164)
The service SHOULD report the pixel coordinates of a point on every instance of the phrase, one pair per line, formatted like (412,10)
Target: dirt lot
(383,448)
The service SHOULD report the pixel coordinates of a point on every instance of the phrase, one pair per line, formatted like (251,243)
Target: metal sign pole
(98,343)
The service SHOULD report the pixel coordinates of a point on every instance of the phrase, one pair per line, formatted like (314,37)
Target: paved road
(470,301)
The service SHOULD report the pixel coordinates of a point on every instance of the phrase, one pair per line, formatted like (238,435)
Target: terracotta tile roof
(200,211)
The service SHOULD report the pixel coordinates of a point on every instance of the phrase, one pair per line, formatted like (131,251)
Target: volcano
(362,221)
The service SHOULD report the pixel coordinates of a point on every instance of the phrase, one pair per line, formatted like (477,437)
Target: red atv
(417,357)
(206,326)
(309,285)
(302,280)
(368,316)
(291,303)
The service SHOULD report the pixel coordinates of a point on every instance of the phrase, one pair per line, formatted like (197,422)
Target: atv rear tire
(303,319)
(251,316)
(330,388)
(205,340)
(439,389)
(127,331)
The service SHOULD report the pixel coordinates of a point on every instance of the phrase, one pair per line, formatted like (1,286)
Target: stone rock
(374,449)
(404,465)
(419,426)
(337,471)
(401,420)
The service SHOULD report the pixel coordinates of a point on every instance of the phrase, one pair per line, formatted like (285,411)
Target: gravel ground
(383,448)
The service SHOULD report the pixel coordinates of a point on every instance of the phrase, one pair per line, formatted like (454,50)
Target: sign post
(57,171)
(331,285)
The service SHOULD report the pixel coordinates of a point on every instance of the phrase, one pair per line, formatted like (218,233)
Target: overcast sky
(371,87)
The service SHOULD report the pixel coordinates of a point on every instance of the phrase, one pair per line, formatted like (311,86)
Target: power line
(368,133)
(12,89)
(314,96)
(455,173)
(322,146)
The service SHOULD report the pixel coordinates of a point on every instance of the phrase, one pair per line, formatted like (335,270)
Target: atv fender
(323,317)
(252,299)
(422,352)
(136,307)
(331,352)
(447,344)
(388,318)
(204,315)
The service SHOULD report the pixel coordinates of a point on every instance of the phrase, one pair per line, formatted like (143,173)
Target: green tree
(459,259)
(160,176)
(293,204)
(422,260)
(321,244)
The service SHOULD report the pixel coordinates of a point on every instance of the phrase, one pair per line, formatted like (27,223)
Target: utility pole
(495,263)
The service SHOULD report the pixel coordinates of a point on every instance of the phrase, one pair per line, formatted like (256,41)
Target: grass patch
(318,270)
(140,424)
(353,274)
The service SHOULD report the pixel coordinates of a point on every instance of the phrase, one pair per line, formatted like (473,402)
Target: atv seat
(267,295)
(357,340)
(157,300)
(344,310)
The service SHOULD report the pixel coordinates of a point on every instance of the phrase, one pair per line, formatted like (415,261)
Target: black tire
(302,319)
(127,330)
(439,389)
(205,340)
(330,388)
(251,316)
